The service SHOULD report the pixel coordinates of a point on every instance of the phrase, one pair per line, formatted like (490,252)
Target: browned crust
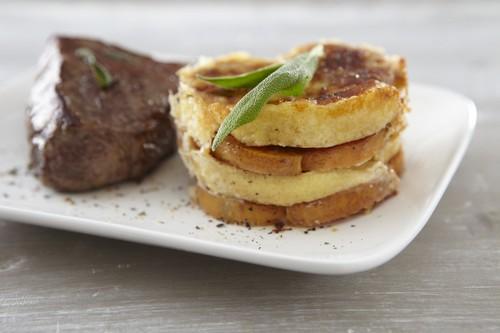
(343,72)
(315,213)
(90,137)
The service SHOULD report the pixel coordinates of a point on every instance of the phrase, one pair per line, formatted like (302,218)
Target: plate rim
(260,257)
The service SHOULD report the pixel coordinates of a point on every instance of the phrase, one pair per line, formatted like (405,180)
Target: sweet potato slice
(315,213)
(341,204)
(233,210)
(343,156)
(262,160)
(346,203)
(284,161)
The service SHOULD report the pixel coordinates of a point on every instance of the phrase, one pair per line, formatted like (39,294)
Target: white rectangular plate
(157,211)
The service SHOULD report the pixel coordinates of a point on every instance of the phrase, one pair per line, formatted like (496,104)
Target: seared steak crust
(84,137)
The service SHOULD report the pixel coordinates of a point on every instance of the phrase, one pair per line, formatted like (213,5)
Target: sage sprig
(245,80)
(101,74)
(288,80)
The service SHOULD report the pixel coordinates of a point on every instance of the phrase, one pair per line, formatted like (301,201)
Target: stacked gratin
(307,160)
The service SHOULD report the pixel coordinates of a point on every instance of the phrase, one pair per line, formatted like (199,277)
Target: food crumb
(13,172)
(279,227)
(220,225)
(69,200)
(142,214)
(310,229)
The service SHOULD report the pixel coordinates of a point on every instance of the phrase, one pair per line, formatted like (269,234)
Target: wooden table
(447,280)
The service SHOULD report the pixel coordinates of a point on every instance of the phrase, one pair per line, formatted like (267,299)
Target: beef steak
(83,136)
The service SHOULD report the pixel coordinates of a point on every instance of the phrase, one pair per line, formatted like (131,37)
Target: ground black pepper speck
(13,172)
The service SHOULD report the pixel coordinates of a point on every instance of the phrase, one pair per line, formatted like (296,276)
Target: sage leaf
(289,80)
(245,80)
(101,74)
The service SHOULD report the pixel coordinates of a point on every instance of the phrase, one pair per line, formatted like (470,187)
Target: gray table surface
(447,280)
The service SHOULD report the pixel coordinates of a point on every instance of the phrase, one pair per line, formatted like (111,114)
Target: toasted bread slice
(310,214)
(365,91)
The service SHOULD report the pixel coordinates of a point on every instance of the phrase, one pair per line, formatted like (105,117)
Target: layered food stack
(308,160)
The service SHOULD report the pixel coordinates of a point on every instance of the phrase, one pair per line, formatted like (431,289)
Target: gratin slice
(354,200)
(355,92)
(229,181)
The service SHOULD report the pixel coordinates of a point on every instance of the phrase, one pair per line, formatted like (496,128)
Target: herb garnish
(245,80)
(289,80)
(101,74)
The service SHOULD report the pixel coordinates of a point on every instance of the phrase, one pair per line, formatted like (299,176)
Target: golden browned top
(344,71)
(221,67)
(355,92)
